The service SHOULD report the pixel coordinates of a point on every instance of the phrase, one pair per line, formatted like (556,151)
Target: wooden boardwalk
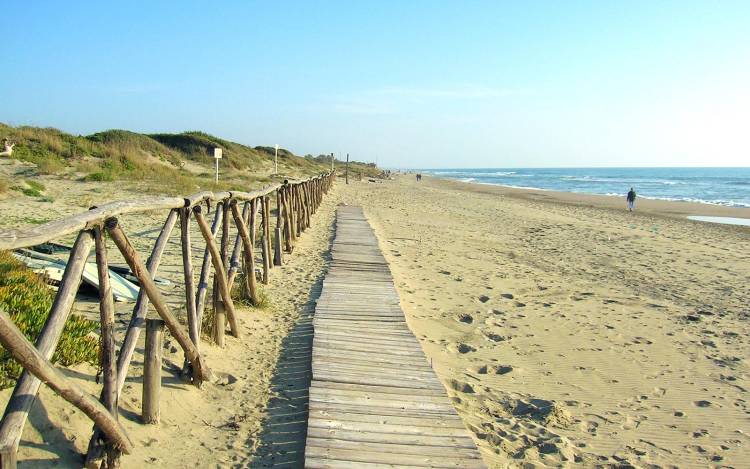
(374,400)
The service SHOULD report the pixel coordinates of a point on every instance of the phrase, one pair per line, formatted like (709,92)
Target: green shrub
(25,297)
(31,192)
(99,176)
(36,185)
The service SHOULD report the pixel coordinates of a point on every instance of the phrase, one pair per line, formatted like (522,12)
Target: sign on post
(276,159)
(217,157)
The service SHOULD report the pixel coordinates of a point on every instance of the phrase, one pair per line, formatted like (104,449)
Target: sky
(405,83)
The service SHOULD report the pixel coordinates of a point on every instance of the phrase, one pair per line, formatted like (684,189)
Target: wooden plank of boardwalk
(374,400)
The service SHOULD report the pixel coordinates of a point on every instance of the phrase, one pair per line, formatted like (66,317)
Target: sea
(717,186)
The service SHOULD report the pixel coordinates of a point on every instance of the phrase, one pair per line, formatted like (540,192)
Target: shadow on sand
(281,442)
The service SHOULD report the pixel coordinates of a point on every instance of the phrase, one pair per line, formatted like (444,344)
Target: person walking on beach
(631,199)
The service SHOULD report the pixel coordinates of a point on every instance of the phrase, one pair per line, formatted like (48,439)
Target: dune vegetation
(184,159)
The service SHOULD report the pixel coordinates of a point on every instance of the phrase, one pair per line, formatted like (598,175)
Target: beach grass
(184,159)
(27,299)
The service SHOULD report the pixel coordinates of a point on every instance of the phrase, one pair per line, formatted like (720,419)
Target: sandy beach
(569,330)
(565,329)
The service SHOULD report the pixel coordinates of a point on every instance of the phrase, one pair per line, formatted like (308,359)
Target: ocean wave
(613,180)
(720,202)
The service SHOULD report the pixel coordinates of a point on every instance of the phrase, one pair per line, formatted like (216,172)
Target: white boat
(53,268)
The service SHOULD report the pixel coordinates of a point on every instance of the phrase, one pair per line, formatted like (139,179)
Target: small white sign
(217,153)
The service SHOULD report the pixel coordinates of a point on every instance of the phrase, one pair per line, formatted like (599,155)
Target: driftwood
(35,363)
(152,371)
(27,386)
(221,275)
(200,370)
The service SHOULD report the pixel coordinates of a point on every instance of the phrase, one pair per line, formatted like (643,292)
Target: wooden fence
(249,212)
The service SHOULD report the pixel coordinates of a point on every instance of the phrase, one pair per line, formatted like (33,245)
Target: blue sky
(411,84)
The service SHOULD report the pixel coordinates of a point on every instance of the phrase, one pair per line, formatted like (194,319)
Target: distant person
(631,199)
(7,148)
(419,177)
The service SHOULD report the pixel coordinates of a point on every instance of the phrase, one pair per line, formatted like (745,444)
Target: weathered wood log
(221,274)
(263,244)
(220,323)
(12,239)
(187,270)
(249,256)
(267,230)
(36,364)
(288,232)
(237,250)
(109,396)
(137,320)
(8,459)
(277,260)
(201,372)
(206,270)
(152,371)
(299,216)
(27,386)
(224,251)
(107,324)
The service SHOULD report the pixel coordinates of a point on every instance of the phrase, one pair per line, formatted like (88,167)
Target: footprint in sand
(500,369)
(460,386)
(465,318)
(493,337)
(508,296)
(483,298)
(463,348)
(490,369)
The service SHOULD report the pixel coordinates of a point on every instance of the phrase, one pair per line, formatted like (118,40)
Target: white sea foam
(722,220)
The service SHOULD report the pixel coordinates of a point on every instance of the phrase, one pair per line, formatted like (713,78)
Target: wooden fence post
(220,323)
(221,274)
(138,318)
(268,231)
(152,371)
(277,246)
(263,241)
(187,267)
(249,255)
(97,446)
(206,270)
(236,252)
(137,321)
(201,372)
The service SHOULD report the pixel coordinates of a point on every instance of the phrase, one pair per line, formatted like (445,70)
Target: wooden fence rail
(295,203)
